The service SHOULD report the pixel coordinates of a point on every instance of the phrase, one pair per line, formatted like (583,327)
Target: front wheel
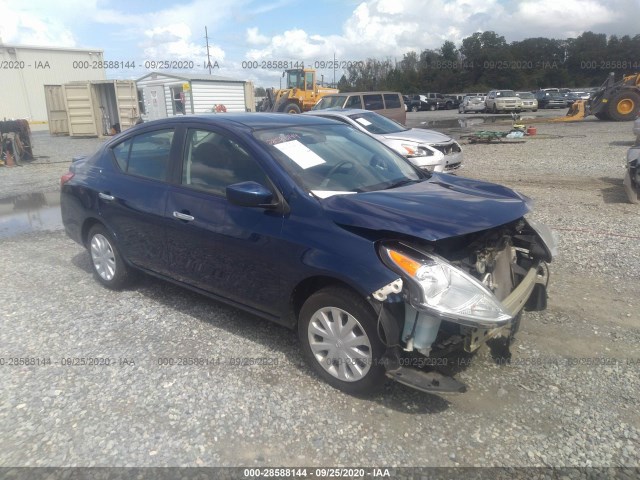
(624,106)
(108,266)
(337,329)
(292,108)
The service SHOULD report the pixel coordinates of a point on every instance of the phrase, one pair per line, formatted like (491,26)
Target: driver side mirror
(250,194)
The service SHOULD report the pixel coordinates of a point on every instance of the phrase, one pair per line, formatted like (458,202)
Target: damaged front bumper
(433,332)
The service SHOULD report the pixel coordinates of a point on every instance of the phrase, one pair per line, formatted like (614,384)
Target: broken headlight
(443,289)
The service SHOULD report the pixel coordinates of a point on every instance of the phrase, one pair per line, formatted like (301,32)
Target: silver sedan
(426,149)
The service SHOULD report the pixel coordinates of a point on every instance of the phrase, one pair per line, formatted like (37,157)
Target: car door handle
(183,216)
(106,196)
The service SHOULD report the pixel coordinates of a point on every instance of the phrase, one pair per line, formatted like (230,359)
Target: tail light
(66,177)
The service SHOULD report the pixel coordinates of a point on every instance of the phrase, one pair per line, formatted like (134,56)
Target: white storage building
(25,70)
(167,94)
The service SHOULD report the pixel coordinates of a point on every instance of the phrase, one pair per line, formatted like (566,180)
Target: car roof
(251,120)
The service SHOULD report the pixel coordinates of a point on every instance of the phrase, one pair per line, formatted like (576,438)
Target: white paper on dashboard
(363,121)
(300,154)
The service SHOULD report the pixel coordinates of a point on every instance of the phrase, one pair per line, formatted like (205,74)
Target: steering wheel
(334,169)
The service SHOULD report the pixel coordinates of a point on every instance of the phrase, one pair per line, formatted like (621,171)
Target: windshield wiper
(400,183)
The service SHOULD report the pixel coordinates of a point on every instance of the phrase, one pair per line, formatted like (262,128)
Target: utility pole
(334,69)
(206,36)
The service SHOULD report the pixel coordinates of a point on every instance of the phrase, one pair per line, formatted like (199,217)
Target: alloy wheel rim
(104,260)
(340,344)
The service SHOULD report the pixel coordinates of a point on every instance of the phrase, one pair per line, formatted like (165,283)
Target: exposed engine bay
(504,271)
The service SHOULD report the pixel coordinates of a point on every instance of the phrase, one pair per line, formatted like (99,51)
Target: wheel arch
(310,285)
(87,225)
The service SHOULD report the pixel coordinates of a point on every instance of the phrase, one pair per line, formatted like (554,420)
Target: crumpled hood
(419,135)
(441,207)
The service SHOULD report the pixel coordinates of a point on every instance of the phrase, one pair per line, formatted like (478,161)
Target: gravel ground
(568,399)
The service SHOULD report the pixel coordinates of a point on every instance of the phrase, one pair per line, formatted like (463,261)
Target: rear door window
(145,155)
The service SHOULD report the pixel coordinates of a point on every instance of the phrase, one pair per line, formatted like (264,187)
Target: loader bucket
(576,113)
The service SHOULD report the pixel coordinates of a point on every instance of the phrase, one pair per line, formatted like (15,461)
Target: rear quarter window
(391,100)
(145,155)
(373,102)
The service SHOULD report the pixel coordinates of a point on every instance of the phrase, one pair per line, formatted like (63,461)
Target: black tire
(603,115)
(103,251)
(448,106)
(432,107)
(291,108)
(414,108)
(352,304)
(534,110)
(624,106)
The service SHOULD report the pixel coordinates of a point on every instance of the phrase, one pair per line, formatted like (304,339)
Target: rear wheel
(624,106)
(337,330)
(292,108)
(432,107)
(108,266)
(414,108)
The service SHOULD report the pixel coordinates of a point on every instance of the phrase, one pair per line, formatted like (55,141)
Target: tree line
(485,61)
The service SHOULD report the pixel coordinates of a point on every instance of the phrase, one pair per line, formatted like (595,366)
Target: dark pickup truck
(429,101)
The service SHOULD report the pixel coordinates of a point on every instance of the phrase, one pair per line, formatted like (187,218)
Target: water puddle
(31,212)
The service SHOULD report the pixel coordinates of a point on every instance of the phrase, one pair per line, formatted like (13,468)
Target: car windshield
(377,124)
(332,159)
(526,95)
(332,101)
(505,93)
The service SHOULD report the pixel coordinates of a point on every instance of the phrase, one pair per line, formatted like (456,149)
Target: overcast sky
(290,30)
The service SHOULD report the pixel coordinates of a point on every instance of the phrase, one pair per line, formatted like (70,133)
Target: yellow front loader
(301,93)
(618,101)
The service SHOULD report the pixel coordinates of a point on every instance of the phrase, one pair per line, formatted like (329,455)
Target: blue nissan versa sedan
(317,226)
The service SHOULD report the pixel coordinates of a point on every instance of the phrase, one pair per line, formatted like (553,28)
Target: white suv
(503,101)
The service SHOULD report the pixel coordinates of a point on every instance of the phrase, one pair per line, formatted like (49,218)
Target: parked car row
(499,101)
